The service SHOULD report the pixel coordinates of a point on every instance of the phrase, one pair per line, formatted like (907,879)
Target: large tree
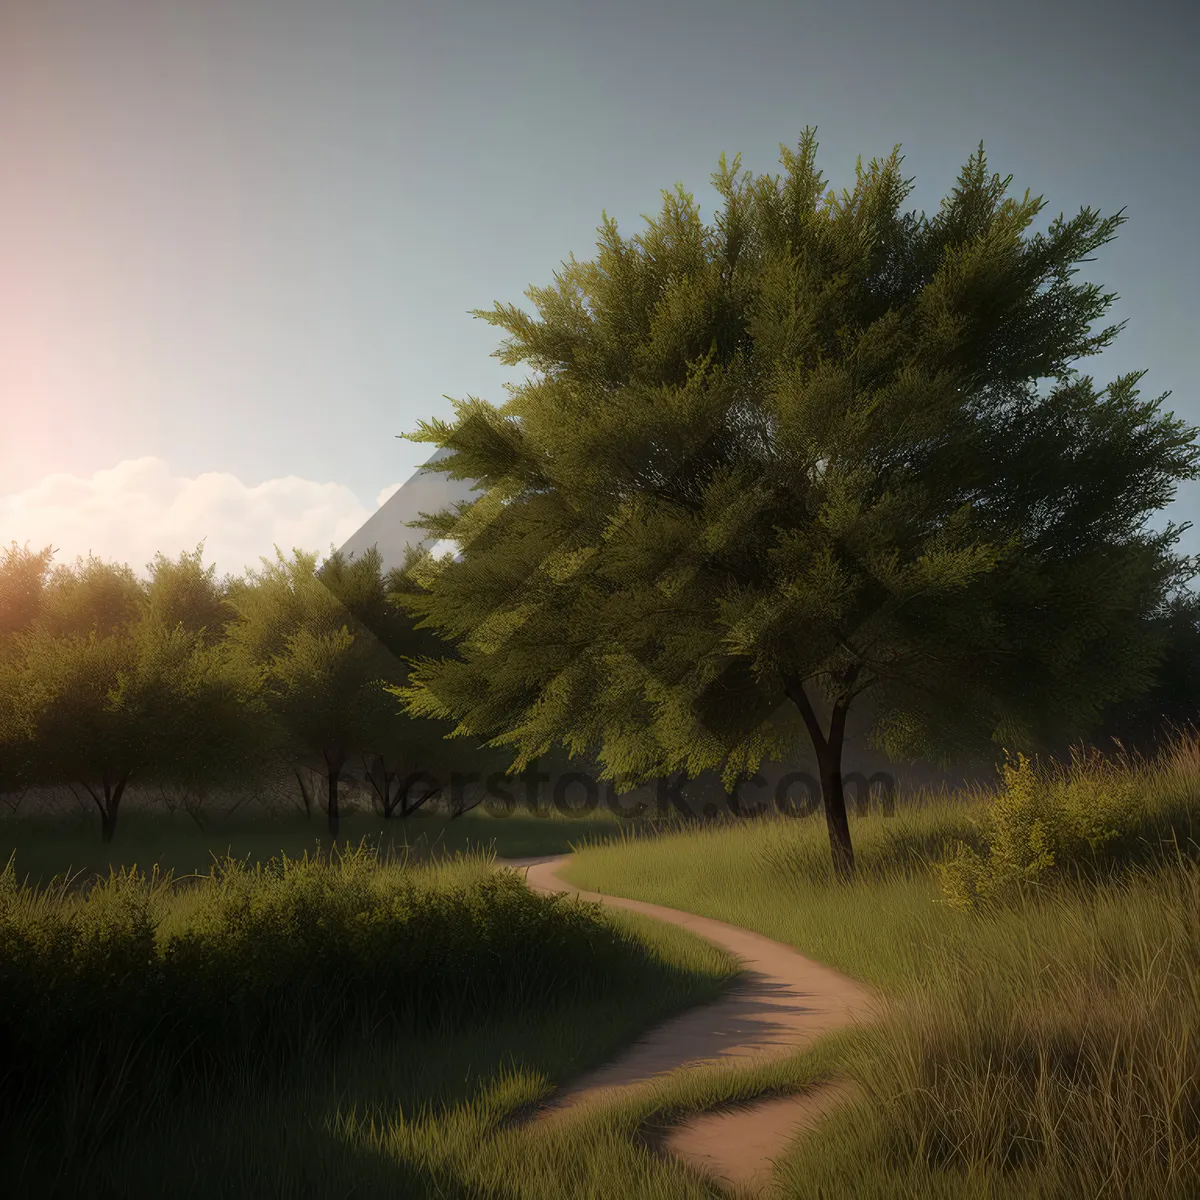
(821,451)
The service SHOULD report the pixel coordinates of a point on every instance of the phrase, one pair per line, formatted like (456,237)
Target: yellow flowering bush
(1042,821)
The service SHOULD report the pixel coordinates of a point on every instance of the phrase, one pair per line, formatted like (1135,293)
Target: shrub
(1046,822)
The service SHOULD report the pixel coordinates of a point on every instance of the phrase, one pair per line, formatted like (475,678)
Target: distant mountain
(387,528)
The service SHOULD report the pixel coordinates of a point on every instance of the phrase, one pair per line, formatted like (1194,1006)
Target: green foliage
(108,684)
(327,645)
(23,575)
(323,667)
(1173,703)
(1042,822)
(154,984)
(187,593)
(91,596)
(191,682)
(155,704)
(805,454)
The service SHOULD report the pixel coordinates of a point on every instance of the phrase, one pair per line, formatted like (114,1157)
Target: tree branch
(794,689)
(88,788)
(13,807)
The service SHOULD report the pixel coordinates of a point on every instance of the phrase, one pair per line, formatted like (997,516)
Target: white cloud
(139,507)
(387,493)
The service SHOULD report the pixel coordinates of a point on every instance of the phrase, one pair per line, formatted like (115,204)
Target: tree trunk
(108,811)
(828,749)
(834,799)
(333,764)
(381,780)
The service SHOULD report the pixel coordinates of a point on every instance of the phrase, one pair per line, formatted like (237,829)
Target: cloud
(139,507)
(387,493)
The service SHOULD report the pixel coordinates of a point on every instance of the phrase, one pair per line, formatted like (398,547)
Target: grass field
(45,846)
(331,1027)
(1043,1044)
(1045,1047)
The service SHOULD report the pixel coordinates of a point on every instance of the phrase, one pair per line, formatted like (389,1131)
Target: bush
(145,985)
(1044,823)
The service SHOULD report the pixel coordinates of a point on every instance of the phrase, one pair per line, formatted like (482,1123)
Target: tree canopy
(330,647)
(180,680)
(23,576)
(825,449)
(103,686)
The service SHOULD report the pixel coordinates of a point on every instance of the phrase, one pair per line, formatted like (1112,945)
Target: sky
(239,239)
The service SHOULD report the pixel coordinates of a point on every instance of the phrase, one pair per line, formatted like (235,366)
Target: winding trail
(781,1003)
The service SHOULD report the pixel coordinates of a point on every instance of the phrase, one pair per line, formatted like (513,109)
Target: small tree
(91,596)
(183,594)
(23,577)
(418,761)
(769,467)
(324,670)
(396,791)
(148,703)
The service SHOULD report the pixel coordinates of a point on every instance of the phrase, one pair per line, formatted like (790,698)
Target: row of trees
(187,682)
(184,680)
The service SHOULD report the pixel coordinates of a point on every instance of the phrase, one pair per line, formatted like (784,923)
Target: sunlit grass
(1047,1047)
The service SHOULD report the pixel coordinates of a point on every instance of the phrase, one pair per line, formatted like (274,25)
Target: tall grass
(132,1001)
(1044,1044)
(1041,1044)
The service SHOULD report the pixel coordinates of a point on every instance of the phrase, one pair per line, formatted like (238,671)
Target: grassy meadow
(377,1020)
(43,846)
(330,1026)
(1041,1042)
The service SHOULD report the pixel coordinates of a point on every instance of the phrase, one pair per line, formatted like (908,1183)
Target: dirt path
(781,1003)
